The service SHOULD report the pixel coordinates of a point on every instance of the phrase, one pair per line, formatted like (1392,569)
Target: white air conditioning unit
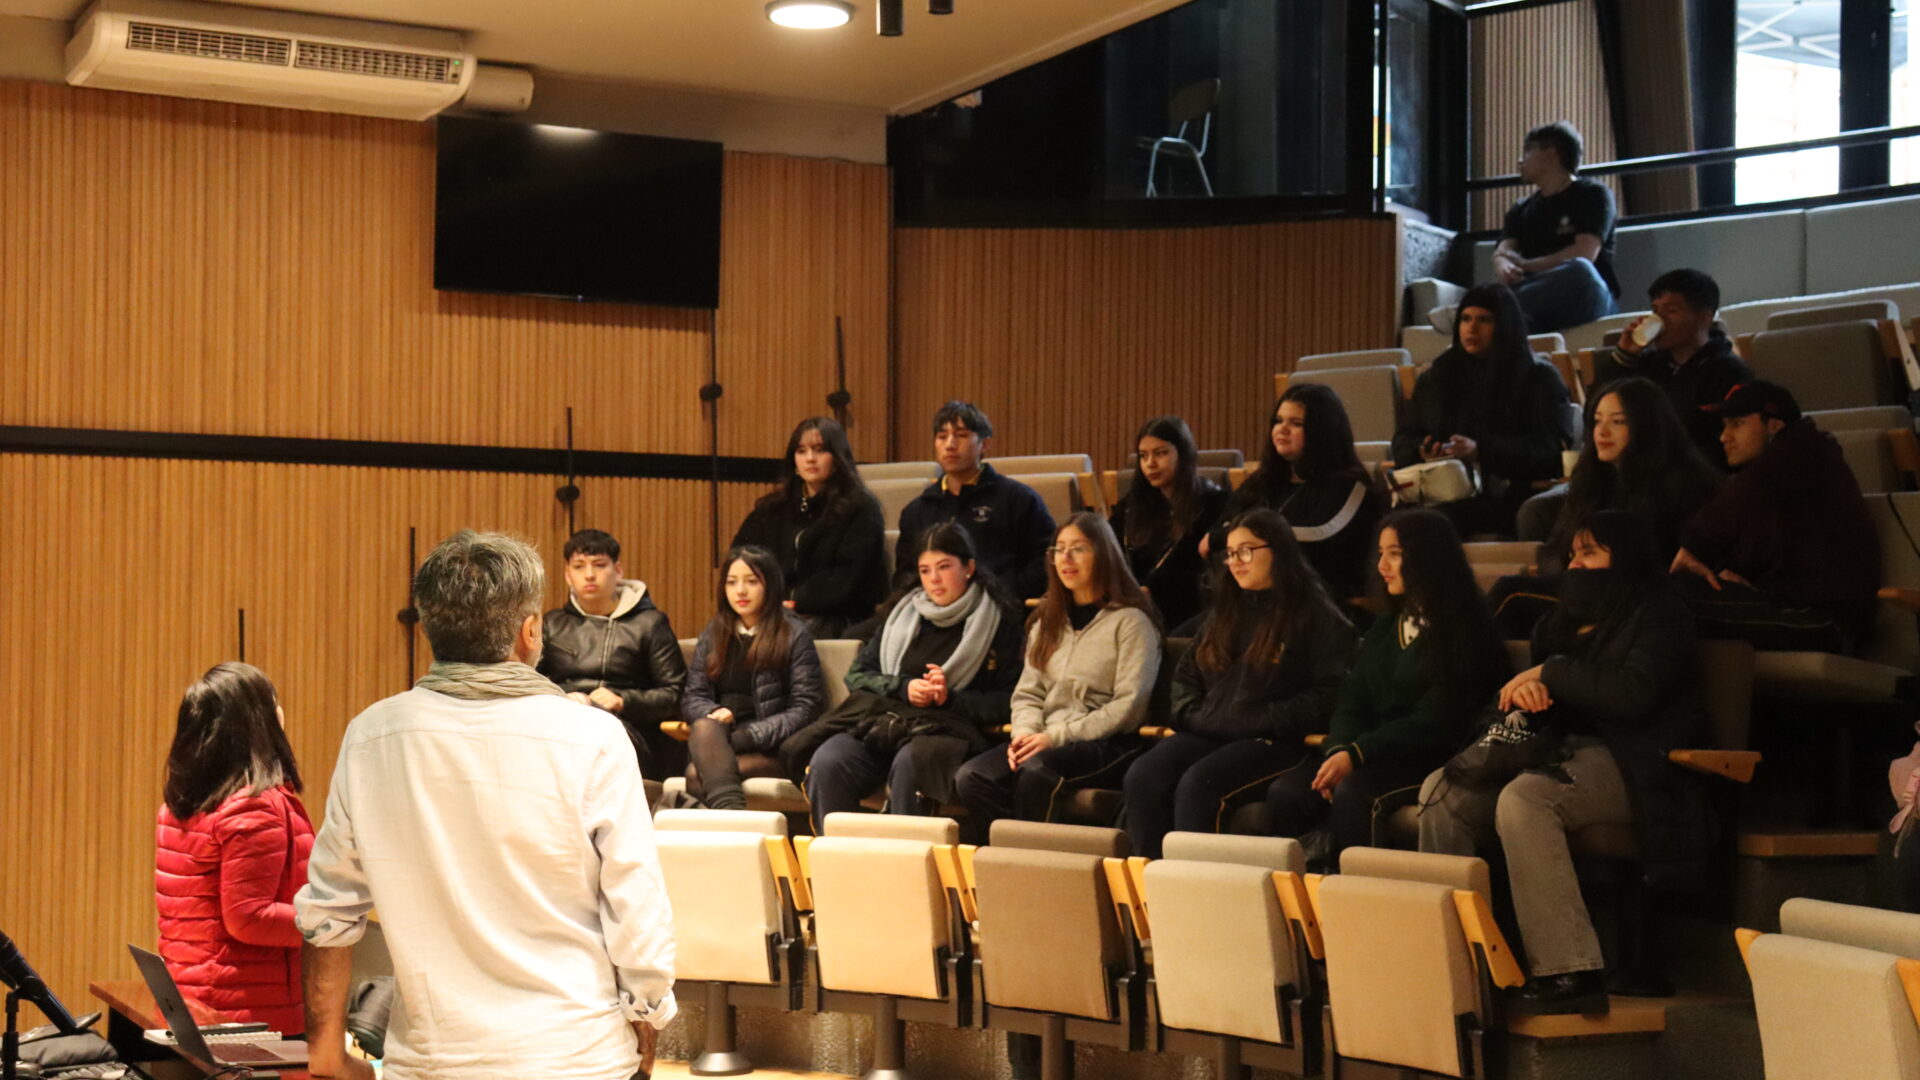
(256,57)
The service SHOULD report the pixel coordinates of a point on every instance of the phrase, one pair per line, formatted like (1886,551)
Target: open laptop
(272,1053)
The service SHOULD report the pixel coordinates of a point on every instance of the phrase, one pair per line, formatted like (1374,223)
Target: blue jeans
(846,770)
(1571,294)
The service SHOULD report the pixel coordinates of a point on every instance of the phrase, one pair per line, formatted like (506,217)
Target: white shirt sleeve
(636,918)
(331,909)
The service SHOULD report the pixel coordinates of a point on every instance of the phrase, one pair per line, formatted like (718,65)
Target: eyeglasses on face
(1245,554)
(1076,552)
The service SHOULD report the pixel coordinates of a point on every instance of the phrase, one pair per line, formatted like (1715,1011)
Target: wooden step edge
(1810,844)
(1626,1017)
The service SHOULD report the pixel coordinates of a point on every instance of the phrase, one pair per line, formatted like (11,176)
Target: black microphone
(17,973)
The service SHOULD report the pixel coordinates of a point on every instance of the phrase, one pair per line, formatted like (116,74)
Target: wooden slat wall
(177,265)
(1659,104)
(1070,339)
(1531,67)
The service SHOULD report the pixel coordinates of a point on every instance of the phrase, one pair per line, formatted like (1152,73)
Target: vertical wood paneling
(1531,67)
(174,265)
(123,581)
(1071,338)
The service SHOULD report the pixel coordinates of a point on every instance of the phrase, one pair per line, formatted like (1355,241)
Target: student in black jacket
(611,648)
(1614,681)
(1310,473)
(826,530)
(1690,359)
(1260,677)
(1491,404)
(1163,518)
(754,681)
(1007,520)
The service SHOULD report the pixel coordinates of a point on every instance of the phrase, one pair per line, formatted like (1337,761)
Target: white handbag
(1432,483)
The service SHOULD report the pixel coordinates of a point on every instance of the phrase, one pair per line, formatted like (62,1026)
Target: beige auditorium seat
(1371,396)
(1223,459)
(1413,959)
(1492,560)
(1875,310)
(1837,992)
(1026,466)
(1117,482)
(884,941)
(1060,491)
(1361,359)
(732,880)
(1051,959)
(895,493)
(1839,365)
(1871,417)
(1233,945)
(923,471)
(1869,454)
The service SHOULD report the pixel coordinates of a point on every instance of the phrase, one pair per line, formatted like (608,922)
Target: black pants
(1362,800)
(991,789)
(1192,783)
(1744,613)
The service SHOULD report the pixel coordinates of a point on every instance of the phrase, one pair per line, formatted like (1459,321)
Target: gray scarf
(982,616)
(478,682)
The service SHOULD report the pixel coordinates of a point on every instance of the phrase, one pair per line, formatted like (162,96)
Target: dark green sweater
(1388,709)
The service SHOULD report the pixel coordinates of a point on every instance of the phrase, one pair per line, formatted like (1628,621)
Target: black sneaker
(1583,992)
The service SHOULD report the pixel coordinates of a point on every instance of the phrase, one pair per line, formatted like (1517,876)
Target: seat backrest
(1896,932)
(1399,972)
(1224,459)
(1829,366)
(687,645)
(1221,946)
(1726,691)
(1192,101)
(1870,457)
(1052,934)
(894,495)
(1358,359)
(1821,1004)
(725,901)
(1896,521)
(836,659)
(1546,343)
(1830,313)
(923,471)
(1059,490)
(1371,396)
(1870,418)
(1372,452)
(1051,836)
(1042,463)
(1453,871)
(1266,852)
(757,822)
(931,830)
(879,914)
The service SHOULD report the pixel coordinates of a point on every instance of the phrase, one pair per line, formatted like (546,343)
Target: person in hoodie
(611,648)
(1163,519)
(1689,359)
(1008,521)
(1260,677)
(1786,555)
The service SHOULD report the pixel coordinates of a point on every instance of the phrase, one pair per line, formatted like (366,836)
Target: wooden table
(131,1012)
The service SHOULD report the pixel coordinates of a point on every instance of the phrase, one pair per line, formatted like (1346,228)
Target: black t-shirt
(1543,224)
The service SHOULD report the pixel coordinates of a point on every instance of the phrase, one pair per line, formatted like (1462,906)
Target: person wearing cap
(1786,555)
(1684,354)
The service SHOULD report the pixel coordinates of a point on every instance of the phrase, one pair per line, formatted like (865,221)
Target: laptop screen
(180,1021)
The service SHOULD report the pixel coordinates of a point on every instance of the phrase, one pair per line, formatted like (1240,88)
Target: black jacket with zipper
(632,652)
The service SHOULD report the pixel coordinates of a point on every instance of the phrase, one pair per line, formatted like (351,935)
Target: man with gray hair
(502,831)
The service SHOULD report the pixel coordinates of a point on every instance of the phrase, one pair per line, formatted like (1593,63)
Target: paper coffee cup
(1648,329)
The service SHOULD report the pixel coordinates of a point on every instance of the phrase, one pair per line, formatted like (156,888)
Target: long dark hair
(1464,656)
(1258,627)
(1112,579)
(227,738)
(1475,389)
(841,490)
(1153,517)
(1329,447)
(1637,573)
(1659,474)
(772,636)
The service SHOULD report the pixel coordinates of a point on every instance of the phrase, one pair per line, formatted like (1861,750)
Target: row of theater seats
(1225,948)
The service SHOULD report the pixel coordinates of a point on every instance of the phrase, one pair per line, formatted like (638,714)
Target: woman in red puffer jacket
(232,847)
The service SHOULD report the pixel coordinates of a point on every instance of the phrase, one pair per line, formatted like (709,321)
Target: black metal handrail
(1857,137)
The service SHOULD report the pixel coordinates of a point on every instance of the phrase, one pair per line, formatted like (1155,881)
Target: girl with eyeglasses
(1259,678)
(1422,671)
(1164,517)
(1093,652)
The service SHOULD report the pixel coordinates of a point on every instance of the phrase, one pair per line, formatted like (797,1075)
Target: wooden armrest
(1906,598)
(676,729)
(1312,883)
(1408,377)
(802,847)
(1894,343)
(1003,729)
(946,859)
(1905,447)
(1236,477)
(786,867)
(1909,970)
(1155,731)
(1743,346)
(1280,385)
(1137,875)
(963,853)
(1476,922)
(1735,765)
(1318,738)
(1033,601)
(1299,911)
(1745,939)
(1125,899)
(1110,488)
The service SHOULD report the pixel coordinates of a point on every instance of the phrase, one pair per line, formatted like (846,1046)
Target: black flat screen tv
(542,210)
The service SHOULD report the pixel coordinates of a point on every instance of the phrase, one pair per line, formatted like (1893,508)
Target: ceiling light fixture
(809,14)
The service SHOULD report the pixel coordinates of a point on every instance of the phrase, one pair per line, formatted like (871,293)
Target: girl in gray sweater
(1093,652)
